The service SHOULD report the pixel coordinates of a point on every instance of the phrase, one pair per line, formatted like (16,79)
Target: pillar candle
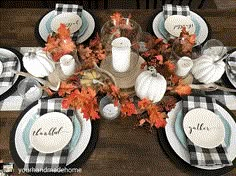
(184,66)
(121,54)
(67,63)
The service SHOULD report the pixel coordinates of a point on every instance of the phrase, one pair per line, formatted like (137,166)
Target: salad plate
(204,128)
(51,132)
(74,139)
(179,131)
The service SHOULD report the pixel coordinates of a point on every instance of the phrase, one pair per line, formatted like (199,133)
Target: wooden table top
(122,148)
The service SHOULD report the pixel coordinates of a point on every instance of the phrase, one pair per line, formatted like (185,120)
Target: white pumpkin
(38,64)
(206,70)
(150,85)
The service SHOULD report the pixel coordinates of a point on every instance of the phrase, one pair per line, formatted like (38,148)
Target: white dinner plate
(86,130)
(1,67)
(229,75)
(203,32)
(51,132)
(4,53)
(43,31)
(182,152)
(204,128)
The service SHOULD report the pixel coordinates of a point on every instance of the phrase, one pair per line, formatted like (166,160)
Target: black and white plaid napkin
(56,160)
(169,9)
(198,155)
(60,8)
(7,76)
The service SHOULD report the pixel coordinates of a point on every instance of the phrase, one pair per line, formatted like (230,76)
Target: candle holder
(121,40)
(107,108)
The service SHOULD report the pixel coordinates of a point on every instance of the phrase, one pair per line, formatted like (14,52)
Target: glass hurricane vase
(125,28)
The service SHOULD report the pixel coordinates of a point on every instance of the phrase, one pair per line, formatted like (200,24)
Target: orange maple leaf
(128,109)
(182,89)
(116,17)
(66,88)
(144,103)
(63,31)
(67,45)
(170,66)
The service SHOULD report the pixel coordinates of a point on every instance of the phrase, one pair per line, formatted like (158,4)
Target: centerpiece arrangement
(157,89)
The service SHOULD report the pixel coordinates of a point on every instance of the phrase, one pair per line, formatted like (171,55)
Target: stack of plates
(201,28)
(6,91)
(81,135)
(86,28)
(173,139)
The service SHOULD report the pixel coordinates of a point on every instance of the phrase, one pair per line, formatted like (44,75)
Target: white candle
(121,54)
(110,111)
(184,66)
(67,63)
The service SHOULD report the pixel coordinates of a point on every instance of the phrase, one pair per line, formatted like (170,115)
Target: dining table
(122,147)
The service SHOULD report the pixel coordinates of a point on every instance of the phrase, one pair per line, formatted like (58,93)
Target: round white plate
(43,32)
(71,20)
(183,152)
(204,128)
(174,24)
(203,33)
(4,53)
(1,67)
(82,143)
(229,75)
(51,132)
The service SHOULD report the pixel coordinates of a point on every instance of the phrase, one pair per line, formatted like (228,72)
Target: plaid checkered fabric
(53,105)
(56,160)
(60,8)
(199,155)
(7,76)
(169,9)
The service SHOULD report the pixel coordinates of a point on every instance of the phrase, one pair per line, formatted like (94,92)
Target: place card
(204,128)
(51,132)
(71,20)
(174,24)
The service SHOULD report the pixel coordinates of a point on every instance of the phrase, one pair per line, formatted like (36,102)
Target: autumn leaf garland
(85,98)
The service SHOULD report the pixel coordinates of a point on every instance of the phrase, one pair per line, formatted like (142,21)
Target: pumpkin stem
(153,70)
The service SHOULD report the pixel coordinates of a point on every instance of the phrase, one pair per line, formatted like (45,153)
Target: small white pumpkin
(151,85)
(207,70)
(38,64)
